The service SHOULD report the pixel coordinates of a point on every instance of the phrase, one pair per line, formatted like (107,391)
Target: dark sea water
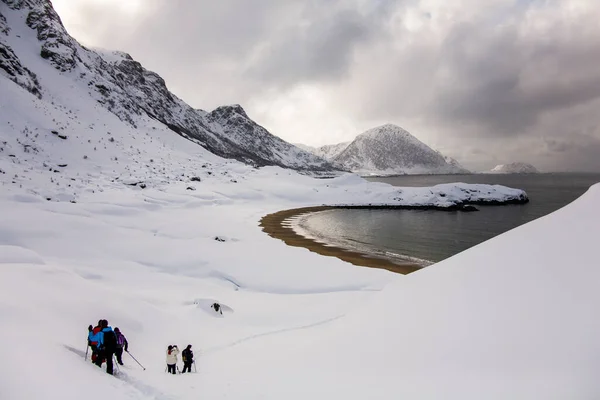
(429,235)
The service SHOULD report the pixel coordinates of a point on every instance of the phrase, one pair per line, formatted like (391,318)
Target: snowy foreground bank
(81,239)
(102,217)
(510,318)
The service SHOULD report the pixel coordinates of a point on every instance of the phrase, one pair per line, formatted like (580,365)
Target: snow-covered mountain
(389,150)
(32,34)
(327,152)
(514,168)
(305,147)
(105,217)
(331,151)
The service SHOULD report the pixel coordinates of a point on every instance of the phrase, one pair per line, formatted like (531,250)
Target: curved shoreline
(275,226)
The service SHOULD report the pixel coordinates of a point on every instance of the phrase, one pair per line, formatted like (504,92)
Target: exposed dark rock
(138,184)
(4,28)
(219,239)
(195,179)
(16,72)
(57,45)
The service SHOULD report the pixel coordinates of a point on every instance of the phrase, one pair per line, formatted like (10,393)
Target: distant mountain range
(387,150)
(514,168)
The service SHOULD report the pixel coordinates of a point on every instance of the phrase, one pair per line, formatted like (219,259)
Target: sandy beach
(275,226)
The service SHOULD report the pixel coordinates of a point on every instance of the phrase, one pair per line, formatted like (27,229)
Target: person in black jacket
(107,344)
(188,359)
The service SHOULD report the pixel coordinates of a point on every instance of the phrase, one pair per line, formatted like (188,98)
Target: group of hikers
(187,355)
(107,343)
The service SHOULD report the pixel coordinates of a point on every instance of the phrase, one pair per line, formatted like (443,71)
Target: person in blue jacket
(93,339)
(107,344)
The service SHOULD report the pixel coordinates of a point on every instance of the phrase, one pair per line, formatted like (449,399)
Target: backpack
(110,341)
(187,355)
(120,340)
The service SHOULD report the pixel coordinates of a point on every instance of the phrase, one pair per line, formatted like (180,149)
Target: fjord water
(428,235)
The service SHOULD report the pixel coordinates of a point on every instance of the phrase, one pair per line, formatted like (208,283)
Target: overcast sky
(484,81)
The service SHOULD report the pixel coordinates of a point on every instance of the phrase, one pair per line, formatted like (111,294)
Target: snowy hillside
(305,147)
(389,150)
(32,38)
(514,168)
(330,151)
(105,213)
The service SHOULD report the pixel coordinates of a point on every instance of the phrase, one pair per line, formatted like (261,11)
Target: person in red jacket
(93,339)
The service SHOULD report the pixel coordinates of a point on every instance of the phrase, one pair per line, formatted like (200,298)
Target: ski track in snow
(270,333)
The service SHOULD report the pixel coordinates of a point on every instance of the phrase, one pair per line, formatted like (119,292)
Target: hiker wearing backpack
(172,352)
(93,339)
(188,358)
(107,344)
(121,345)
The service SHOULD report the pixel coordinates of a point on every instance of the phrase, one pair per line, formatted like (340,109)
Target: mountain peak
(229,110)
(388,150)
(385,129)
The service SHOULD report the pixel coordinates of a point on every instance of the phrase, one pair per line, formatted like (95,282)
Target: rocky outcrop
(11,66)
(233,122)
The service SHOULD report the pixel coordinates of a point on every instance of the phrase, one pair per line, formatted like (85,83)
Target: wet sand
(276,225)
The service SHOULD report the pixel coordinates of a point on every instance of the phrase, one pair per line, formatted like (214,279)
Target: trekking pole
(134,359)
(116,364)
(86,351)
(194,362)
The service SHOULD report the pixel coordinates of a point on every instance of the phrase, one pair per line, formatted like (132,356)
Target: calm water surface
(431,236)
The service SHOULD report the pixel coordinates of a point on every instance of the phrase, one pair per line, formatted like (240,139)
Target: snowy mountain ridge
(388,150)
(128,90)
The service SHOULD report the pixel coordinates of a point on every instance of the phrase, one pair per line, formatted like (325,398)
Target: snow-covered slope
(514,168)
(330,151)
(506,319)
(388,150)
(103,219)
(327,152)
(233,122)
(31,29)
(305,147)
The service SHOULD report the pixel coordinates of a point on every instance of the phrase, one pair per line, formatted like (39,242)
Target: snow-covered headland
(514,168)
(102,218)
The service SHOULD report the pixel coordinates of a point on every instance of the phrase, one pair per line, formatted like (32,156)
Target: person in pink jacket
(172,352)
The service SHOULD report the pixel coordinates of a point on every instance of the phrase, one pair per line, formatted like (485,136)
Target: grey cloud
(493,77)
(514,79)
(321,46)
